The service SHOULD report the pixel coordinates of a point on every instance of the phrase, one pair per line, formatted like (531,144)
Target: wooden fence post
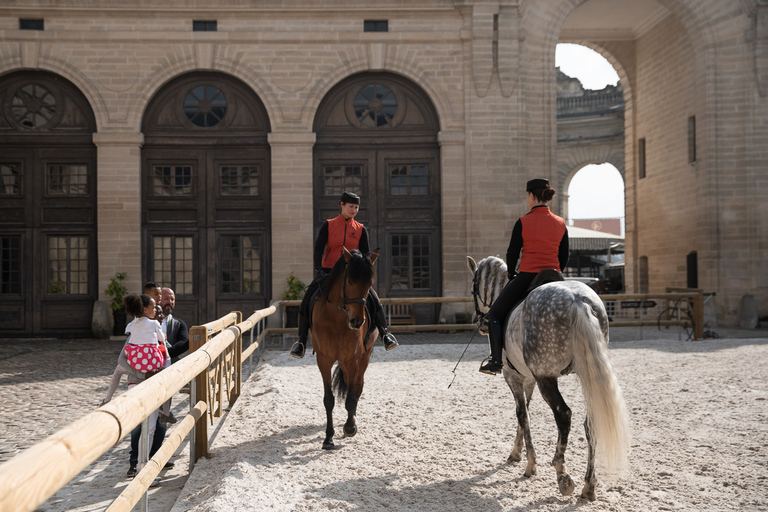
(238,363)
(698,315)
(198,336)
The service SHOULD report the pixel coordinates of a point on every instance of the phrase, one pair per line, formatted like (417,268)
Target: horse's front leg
(519,388)
(550,392)
(528,386)
(350,427)
(329,401)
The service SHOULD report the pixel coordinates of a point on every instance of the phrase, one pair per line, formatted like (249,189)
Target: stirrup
(490,366)
(297,350)
(390,342)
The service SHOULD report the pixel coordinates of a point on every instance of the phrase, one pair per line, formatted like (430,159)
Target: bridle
(346,301)
(476,297)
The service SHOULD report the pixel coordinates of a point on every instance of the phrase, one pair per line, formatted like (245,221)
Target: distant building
(612,226)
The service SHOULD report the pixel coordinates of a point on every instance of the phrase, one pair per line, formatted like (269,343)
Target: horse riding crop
(461,356)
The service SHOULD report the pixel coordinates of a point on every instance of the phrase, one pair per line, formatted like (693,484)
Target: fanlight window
(205,106)
(375,106)
(33,106)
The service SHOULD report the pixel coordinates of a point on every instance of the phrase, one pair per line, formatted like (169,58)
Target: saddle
(548,275)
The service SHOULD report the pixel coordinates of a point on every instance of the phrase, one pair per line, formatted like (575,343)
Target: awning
(581,239)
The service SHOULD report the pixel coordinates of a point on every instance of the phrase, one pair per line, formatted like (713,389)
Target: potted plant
(295,291)
(117,290)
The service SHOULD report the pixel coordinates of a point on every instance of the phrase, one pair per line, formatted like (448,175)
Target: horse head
(489,276)
(358,278)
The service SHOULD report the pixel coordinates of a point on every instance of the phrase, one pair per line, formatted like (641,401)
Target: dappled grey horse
(561,327)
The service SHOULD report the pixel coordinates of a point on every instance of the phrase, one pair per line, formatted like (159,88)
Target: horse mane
(359,268)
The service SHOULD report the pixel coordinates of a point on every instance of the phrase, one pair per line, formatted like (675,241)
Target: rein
(345,300)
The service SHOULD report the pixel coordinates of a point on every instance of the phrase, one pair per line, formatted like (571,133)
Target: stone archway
(377,136)
(206,214)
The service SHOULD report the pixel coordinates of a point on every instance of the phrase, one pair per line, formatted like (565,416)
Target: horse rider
(342,230)
(543,238)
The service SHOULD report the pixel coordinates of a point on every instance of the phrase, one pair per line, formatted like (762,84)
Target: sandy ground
(698,409)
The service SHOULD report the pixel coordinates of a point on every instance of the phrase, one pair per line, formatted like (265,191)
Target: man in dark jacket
(174,328)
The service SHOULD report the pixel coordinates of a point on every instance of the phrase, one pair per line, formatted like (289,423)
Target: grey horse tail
(339,385)
(606,410)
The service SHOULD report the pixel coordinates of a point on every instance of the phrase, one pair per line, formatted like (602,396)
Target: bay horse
(559,328)
(339,331)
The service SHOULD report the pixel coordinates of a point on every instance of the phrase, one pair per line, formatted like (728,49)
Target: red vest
(341,231)
(542,233)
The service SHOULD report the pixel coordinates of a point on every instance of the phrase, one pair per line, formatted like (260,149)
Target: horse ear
(472,265)
(374,255)
(347,254)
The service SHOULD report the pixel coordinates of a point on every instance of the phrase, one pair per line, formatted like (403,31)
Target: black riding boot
(496,338)
(298,348)
(387,337)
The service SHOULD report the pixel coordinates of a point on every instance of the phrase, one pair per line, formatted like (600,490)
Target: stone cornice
(118,139)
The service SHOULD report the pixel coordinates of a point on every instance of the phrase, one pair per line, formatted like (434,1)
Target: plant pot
(119,317)
(291,316)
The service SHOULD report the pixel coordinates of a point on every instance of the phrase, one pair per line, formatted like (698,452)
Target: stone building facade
(202,145)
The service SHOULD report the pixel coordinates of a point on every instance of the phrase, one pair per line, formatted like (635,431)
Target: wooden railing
(33,476)
(683,309)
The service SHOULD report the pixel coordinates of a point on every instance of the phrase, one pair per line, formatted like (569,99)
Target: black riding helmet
(350,197)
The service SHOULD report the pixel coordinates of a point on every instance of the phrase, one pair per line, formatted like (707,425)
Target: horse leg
(350,427)
(518,386)
(528,386)
(328,400)
(590,480)
(548,389)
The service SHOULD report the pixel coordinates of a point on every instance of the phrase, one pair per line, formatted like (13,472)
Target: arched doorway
(377,136)
(206,189)
(48,267)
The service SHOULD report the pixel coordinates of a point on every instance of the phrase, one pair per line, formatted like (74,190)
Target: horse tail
(607,414)
(339,385)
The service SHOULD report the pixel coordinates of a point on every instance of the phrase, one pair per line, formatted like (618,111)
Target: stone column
(119,207)
(292,206)
(456,277)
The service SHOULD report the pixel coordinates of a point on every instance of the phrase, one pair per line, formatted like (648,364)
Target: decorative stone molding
(30,54)
(291,138)
(448,138)
(204,53)
(761,49)
(118,139)
(376,55)
(482,50)
(508,51)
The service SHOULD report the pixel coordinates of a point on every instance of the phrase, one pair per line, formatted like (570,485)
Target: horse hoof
(328,445)
(588,493)
(350,432)
(565,482)
(514,457)
(529,472)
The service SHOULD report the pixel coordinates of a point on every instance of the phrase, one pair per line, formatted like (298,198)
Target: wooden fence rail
(690,301)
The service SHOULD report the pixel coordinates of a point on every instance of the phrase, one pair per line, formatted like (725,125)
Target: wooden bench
(402,314)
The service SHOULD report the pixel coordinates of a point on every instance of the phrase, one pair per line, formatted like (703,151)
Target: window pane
(408,180)
(399,261)
(68,264)
(172,180)
(239,180)
(229,264)
(10,179)
(172,263)
(68,180)
(10,265)
(420,251)
(338,178)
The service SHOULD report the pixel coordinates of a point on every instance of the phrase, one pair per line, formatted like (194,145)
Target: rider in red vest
(543,238)
(342,230)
